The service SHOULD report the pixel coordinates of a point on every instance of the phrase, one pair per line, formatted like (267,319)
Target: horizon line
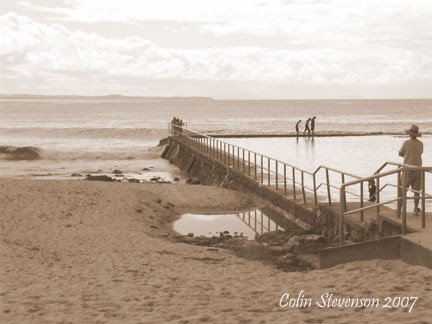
(72,96)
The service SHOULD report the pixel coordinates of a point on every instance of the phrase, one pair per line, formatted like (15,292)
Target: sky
(225,49)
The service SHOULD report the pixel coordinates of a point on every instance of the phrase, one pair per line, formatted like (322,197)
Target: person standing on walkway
(307,126)
(297,127)
(411,151)
(313,125)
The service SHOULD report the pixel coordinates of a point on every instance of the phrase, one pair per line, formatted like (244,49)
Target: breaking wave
(84,132)
(27,153)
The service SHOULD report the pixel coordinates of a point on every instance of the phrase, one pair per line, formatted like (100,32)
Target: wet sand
(84,252)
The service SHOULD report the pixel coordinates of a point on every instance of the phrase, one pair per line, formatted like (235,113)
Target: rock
(274,238)
(76,175)
(313,238)
(277,249)
(252,250)
(133,180)
(146,169)
(20,153)
(176,179)
(193,181)
(117,172)
(98,178)
(119,175)
(225,232)
(155,179)
(190,234)
(159,201)
(155,227)
(163,141)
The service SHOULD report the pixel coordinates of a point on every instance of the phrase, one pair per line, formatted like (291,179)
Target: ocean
(90,134)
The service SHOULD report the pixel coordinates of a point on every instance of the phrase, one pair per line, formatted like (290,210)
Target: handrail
(378,175)
(395,164)
(219,145)
(401,198)
(337,171)
(280,161)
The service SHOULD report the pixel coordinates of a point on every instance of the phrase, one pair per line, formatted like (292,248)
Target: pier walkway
(317,191)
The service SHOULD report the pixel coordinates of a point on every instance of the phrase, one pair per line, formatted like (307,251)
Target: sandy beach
(85,252)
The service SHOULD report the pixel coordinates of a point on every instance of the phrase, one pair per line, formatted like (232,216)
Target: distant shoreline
(19,96)
(31,96)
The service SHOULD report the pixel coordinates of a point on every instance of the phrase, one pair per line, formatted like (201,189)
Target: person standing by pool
(411,151)
(297,127)
(307,126)
(313,125)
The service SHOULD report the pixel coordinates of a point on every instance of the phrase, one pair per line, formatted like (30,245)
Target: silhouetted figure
(372,190)
(297,127)
(181,125)
(307,129)
(313,124)
(177,124)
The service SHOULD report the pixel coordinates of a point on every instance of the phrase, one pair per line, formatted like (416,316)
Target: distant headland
(114,96)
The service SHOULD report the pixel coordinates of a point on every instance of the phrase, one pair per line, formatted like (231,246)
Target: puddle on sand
(245,224)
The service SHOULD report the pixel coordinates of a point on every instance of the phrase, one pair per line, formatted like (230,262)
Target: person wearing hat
(411,151)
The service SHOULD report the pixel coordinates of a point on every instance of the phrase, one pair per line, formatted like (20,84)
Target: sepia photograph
(231,161)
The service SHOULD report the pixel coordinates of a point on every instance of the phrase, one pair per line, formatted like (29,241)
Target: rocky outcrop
(98,178)
(20,153)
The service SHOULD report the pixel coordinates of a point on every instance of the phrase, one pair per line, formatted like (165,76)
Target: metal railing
(265,170)
(401,195)
(291,180)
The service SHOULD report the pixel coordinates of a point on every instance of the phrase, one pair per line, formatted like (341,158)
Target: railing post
(238,158)
(221,152)
(293,183)
(361,202)
(262,175)
(277,184)
(404,202)
(399,193)
(249,167)
(233,156)
(377,199)
(303,188)
(255,165)
(328,187)
(423,199)
(343,182)
(315,190)
(243,158)
(217,150)
(341,215)
(268,172)
(285,180)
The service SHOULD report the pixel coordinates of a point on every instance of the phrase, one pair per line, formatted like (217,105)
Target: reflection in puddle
(245,224)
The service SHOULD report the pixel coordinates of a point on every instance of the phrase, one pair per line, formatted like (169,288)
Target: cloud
(52,53)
